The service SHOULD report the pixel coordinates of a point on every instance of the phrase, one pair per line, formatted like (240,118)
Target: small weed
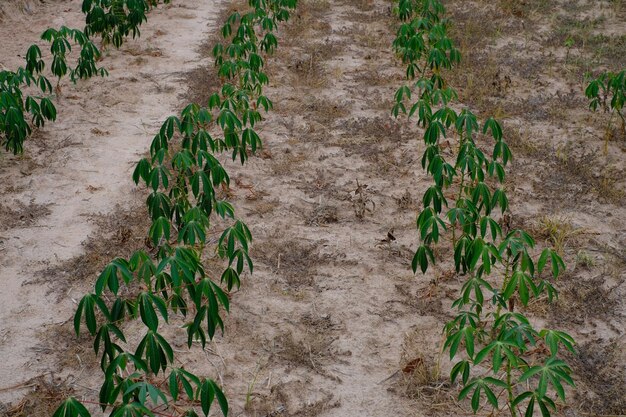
(362,202)
(584,259)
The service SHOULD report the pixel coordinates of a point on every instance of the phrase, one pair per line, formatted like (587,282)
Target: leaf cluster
(608,91)
(112,20)
(60,45)
(20,111)
(115,20)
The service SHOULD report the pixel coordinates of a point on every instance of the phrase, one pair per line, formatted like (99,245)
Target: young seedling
(608,91)
(569,44)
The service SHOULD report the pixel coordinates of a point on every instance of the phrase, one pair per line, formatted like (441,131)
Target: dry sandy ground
(332,312)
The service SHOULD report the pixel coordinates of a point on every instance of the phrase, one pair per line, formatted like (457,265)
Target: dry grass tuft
(19,214)
(46,393)
(420,377)
(322,215)
(313,350)
(293,261)
(557,230)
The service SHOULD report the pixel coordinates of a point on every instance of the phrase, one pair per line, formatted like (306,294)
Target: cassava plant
(608,91)
(17,107)
(499,358)
(60,45)
(115,20)
(183,175)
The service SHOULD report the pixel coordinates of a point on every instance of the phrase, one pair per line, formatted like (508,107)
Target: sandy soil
(332,314)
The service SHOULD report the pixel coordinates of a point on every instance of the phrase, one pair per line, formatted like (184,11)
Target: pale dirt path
(81,166)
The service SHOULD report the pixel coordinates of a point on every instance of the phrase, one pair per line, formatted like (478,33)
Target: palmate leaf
(231,278)
(209,310)
(194,228)
(502,151)
(121,362)
(435,196)
(236,234)
(132,410)
(554,372)
(402,92)
(499,350)
(144,389)
(487,222)
(496,169)
(111,274)
(461,368)
(103,337)
(208,392)
(429,225)
(159,205)
(242,257)
(146,301)
(482,385)
(213,293)
(156,350)
(555,260)
(524,284)
(71,408)
(492,125)
(200,182)
(421,257)
(224,209)
(159,229)
(476,285)
(544,403)
(554,338)
(86,308)
(464,334)
(180,377)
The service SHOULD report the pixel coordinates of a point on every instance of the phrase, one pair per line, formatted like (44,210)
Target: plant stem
(505,282)
(509,388)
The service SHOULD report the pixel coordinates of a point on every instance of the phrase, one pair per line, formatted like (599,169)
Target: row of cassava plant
(501,360)
(112,20)
(184,178)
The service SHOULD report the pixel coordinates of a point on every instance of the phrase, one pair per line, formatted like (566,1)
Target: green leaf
(461,368)
(160,229)
(492,125)
(71,408)
(207,394)
(556,262)
(555,337)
